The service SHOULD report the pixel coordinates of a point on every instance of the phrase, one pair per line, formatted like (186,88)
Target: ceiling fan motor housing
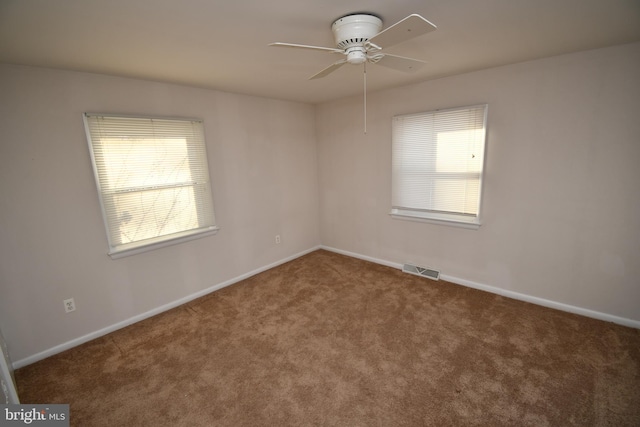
(354,30)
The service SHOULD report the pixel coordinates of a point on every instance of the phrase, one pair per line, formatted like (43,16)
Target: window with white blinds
(437,165)
(153,180)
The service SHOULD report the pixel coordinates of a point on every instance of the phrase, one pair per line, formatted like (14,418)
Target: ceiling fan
(359,39)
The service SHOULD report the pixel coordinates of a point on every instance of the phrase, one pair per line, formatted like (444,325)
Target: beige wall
(562,190)
(561,207)
(262,158)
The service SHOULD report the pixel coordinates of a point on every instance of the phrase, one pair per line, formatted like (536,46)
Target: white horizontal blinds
(437,161)
(152,175)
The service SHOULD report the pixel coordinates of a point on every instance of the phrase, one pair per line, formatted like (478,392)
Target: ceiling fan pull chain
(365,98)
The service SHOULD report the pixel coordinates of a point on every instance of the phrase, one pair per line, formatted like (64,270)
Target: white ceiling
(223,44)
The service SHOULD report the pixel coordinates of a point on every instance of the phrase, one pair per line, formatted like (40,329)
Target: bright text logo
(37,415)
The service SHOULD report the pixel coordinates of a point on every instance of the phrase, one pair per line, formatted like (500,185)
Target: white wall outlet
(278,239)
(69,305)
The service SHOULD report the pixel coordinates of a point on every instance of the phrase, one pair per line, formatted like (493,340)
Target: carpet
(331,340)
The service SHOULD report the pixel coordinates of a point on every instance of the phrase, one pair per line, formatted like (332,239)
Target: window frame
(120,250)
(457,219)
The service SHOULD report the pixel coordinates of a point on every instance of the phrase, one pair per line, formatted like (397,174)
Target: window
(153,180)
(437,165)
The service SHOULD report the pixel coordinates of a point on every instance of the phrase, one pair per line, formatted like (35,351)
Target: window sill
(152,244)
(452,220)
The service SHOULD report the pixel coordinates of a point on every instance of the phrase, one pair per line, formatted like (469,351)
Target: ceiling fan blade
(330,69)
(399,63)
(406,29)
(304,46)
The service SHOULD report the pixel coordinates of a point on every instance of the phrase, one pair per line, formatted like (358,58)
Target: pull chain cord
(365,97)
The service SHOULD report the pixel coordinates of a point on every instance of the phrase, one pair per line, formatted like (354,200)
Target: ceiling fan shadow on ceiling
(359,39)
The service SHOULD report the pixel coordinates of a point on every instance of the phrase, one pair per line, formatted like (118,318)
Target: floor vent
(421,271)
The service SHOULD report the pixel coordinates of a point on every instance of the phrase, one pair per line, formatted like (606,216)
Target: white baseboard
(492,289)
(104,331)
(506,293)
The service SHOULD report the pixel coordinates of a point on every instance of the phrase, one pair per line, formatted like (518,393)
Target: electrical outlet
(69,305)
(278,239)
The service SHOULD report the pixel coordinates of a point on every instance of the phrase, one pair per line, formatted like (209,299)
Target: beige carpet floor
(330,340)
